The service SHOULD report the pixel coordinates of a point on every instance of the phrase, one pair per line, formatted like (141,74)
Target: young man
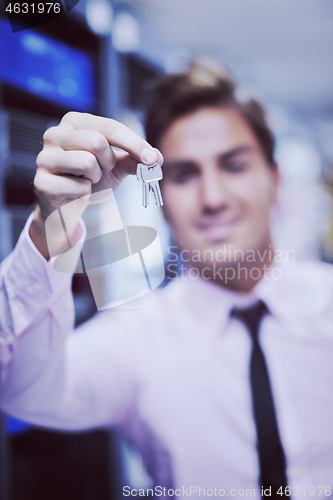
(213,410)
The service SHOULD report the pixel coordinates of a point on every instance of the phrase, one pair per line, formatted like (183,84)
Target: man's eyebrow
(235,151)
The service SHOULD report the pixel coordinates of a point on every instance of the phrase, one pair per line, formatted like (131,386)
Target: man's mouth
(218,230)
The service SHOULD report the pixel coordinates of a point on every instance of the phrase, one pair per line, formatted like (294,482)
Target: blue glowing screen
(47,68)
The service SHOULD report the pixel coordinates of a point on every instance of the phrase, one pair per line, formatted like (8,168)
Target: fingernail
(160,157)
(148,156)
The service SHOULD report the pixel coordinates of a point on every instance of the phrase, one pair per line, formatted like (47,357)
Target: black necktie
(271,455)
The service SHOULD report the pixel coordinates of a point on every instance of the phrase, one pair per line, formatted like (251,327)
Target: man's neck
(241,275)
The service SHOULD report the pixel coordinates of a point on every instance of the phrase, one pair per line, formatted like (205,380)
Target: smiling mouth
(218,230)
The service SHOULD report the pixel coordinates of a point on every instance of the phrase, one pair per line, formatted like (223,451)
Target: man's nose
(213,191)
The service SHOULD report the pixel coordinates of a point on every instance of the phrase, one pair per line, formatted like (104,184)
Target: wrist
(58,240)
(37,233)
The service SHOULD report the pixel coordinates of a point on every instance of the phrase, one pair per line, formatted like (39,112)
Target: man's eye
(234,166)
(182,176)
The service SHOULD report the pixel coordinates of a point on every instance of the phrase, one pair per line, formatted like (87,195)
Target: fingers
(82,140)
(116,134)
(78,158)
(126,165)
(75,163)
(59,188)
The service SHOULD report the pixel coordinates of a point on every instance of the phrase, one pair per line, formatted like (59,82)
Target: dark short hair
(204,84)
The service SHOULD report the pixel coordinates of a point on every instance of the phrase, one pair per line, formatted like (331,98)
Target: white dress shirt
(173,372)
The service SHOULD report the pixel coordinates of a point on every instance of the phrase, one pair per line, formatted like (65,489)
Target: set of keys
(149,175)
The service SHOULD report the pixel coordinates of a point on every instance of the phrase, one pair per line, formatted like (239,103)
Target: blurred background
(101,57)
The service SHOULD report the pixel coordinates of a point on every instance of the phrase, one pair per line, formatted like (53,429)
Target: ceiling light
(99,16)
(126,33)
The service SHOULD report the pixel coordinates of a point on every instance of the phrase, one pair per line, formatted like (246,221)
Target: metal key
(149,175)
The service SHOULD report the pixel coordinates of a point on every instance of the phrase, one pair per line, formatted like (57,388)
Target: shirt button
(36,288)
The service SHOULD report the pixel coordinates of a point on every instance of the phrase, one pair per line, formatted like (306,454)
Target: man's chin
(221,251)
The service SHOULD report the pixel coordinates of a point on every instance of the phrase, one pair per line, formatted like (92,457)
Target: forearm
(50,375)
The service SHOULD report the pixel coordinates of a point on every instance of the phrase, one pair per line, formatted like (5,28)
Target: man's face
(218,187)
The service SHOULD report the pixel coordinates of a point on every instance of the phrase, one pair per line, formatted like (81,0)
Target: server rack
(24,116)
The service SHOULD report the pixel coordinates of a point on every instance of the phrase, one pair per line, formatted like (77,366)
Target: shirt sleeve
(51,374)
(28,287)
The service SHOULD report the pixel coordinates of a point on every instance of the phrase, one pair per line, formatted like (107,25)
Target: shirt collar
(293,292)
(212,304)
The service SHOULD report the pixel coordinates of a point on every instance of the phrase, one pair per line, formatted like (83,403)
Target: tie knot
(251,316)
